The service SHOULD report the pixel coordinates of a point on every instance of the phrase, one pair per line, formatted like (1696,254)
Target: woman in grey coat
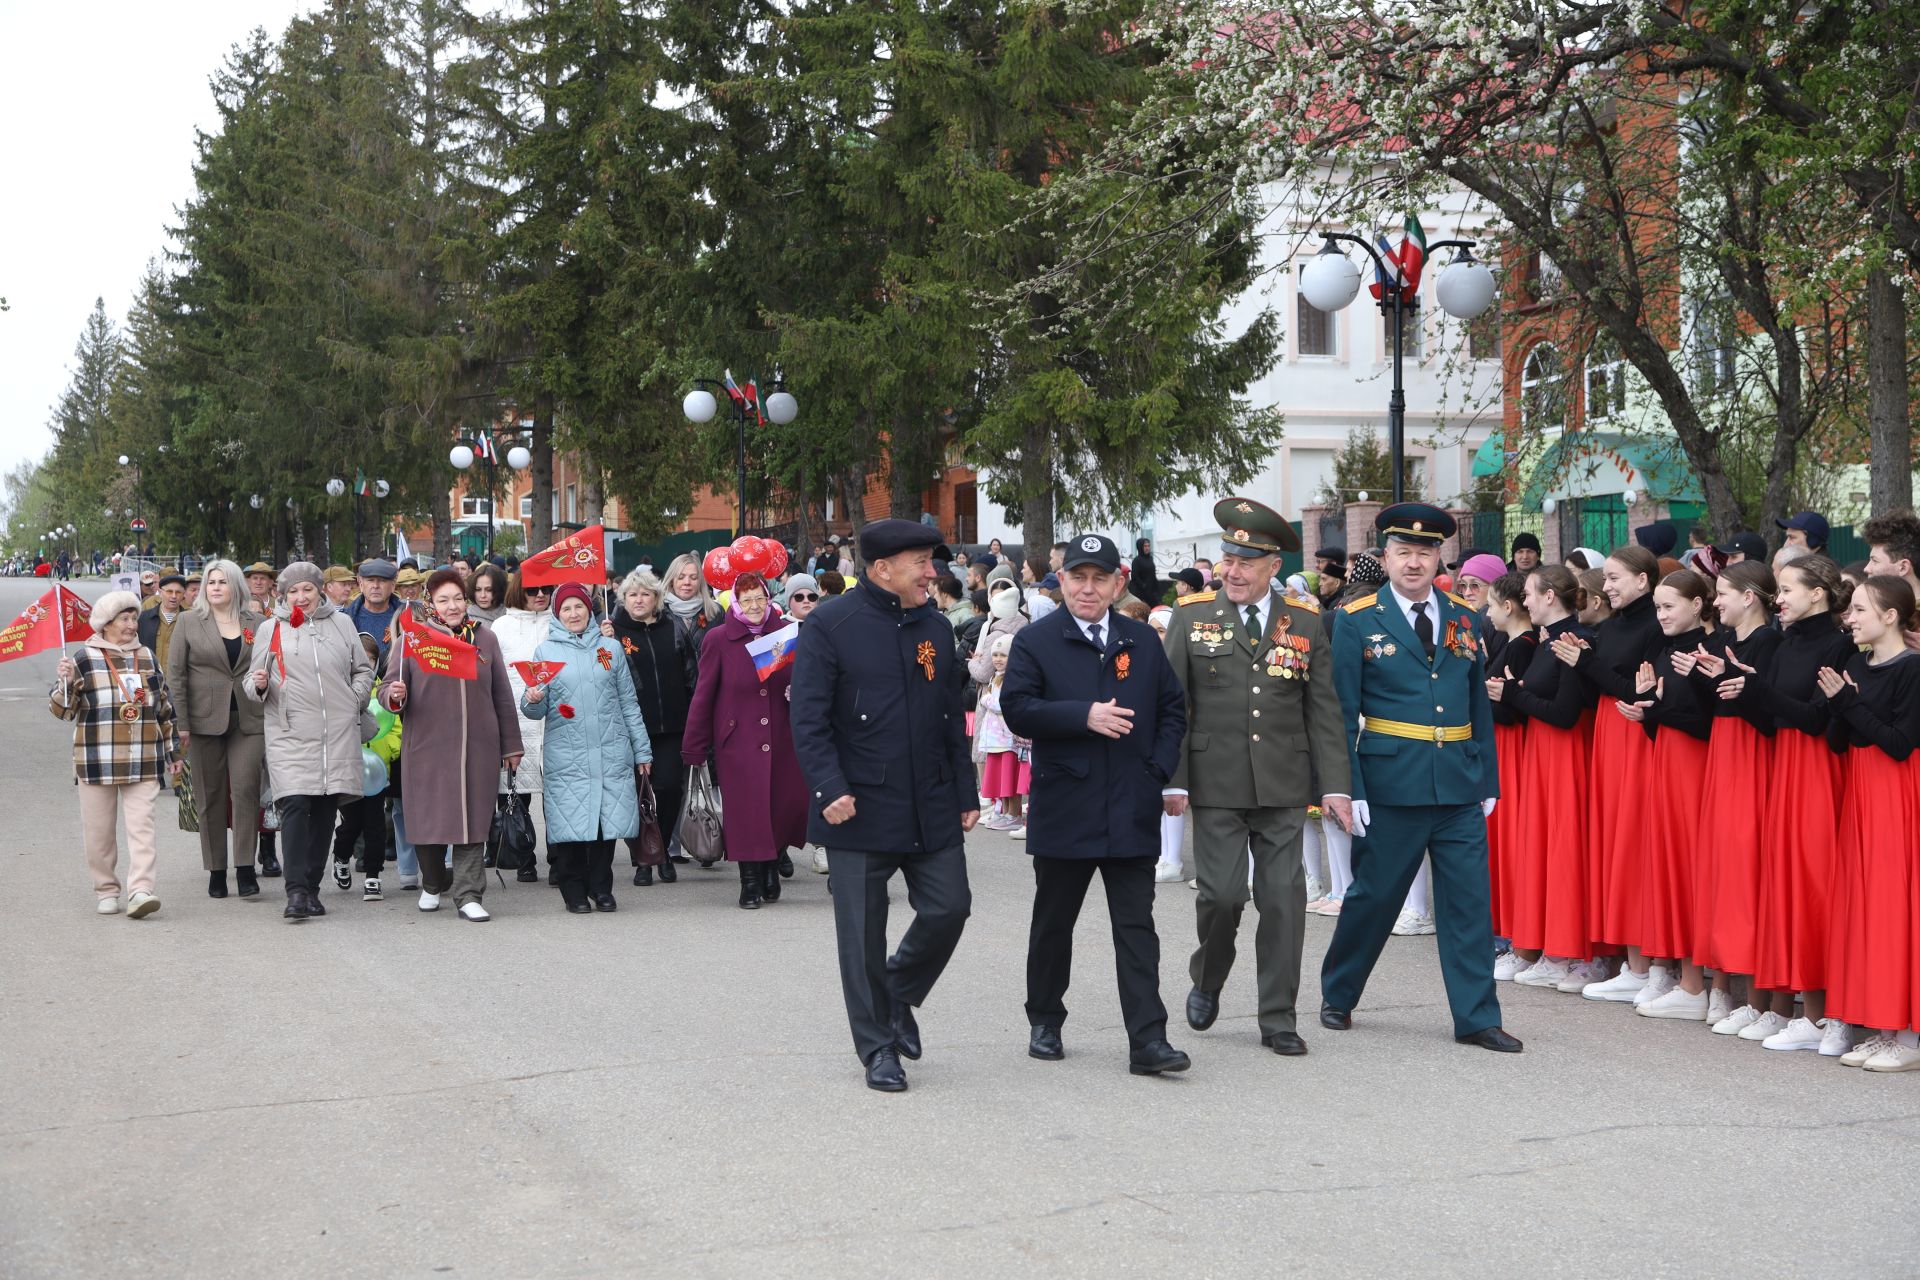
(312,676)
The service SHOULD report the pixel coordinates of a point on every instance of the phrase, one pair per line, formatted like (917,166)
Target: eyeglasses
(803,595)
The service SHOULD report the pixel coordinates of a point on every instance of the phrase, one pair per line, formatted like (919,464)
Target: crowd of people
(1693,779)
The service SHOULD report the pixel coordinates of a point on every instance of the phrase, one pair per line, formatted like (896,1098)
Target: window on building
(526,507)
(475,508)
(1606,380)
(553,503)
(1313,329)
(1544,280)
(1711,335)
(1410,329)
(573,505)
(1483,333)
(1543,392)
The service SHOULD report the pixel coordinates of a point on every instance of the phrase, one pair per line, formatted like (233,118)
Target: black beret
(1657,538)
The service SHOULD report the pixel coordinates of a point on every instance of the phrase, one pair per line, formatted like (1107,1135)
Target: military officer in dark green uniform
(1412,681)
(1264,741)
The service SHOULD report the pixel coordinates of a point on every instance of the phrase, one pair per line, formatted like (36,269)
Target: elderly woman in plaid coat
(124,745)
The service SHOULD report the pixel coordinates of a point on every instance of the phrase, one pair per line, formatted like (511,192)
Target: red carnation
(296,616)
(566,711)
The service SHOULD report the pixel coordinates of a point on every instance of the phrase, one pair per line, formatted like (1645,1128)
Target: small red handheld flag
(55,618)
(538,673)
(437,652)
(579,557)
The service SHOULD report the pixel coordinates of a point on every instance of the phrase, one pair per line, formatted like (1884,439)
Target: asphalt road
(670,1090)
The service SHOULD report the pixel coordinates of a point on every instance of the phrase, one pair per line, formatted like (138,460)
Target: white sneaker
(1579,976)
(1000,822)
(107,907)
(1544,972)
(820,861)
(1767,1024)
(1719,1004)
(1837,1040)
(429,901)
(1801,1033)
(1504,967)
(1018,833)
(1676,1004)
(1900,1057)
(1737,1021)
(1167,873)
(1870,1047)
(1316,888)
(1193,884)
(1660,980)
(1622,988)
(475,912)
(1413,924)
(141,904)
(370,891)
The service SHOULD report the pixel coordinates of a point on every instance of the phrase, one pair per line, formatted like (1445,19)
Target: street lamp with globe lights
(1464,290)
(463,456)
(700,406)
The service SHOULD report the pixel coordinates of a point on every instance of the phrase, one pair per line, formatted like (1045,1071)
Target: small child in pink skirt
(1005,771)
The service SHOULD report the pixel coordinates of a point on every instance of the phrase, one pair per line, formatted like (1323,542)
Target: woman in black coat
(665,661)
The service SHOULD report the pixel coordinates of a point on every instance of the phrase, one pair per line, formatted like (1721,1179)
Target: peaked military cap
(1252,528)
(1419,522)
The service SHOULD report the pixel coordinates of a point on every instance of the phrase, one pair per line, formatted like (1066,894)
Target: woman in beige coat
(207,666)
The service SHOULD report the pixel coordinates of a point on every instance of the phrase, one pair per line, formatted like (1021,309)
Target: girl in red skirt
(1622,757)
(1876,708)
(1680,723)
(1550,869)
(1726,884)
(1509,650)
(1799,857)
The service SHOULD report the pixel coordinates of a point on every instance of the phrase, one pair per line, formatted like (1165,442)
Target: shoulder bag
(700,832)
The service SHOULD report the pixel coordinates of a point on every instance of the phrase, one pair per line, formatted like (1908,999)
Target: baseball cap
(1093,549)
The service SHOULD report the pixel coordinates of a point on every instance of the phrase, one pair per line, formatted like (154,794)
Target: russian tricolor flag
(774,650)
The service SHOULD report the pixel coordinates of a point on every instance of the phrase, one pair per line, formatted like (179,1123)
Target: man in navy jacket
(1094,691)
(881,735)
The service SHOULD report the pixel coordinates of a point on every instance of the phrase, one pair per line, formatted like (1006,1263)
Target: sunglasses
(803,595)
(539,591)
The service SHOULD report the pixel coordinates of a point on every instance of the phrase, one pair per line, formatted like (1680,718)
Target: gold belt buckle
(1439,736)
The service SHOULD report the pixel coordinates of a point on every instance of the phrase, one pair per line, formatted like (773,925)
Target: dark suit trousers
(871,980)
(1383,869)
(1060,887)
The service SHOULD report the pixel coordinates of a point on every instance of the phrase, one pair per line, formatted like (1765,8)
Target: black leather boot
(769,880)
(750,886)
(216,884)
(785,863)
(249,886)
(269,860)
(667,874)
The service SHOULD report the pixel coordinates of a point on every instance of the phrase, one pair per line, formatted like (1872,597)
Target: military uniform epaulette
(1197,597)
(1364,602)
(1302,602)
(1457,600)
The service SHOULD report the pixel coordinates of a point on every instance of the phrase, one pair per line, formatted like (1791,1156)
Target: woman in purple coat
(740,721)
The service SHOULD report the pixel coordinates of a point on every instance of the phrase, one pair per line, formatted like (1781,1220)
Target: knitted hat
(111,606)
(1488,568)
(571,591)
(300,571)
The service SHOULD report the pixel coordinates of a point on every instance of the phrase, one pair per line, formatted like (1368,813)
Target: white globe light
(699,406)
(518,458)
(782,408)
(1548,506)
(109,513)
(381,488)
(255,502)
(336,487)
(124,459)
(460,456)
(1330,280)
(1465,289)
(1361,496)
(1630,497)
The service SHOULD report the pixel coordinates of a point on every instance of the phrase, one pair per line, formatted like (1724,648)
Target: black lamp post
(700,405)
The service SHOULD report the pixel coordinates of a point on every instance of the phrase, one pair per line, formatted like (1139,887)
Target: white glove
(1362,817)
(1486,807)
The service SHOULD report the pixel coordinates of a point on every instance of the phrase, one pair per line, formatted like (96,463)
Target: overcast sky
(99,104)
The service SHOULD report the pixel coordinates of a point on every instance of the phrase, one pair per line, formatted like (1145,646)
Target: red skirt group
(1543,900)
(1871,957)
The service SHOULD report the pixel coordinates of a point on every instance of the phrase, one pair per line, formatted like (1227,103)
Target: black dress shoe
(249,886)
(580,908)
(667,874)
(906,1032)
(770,881)
(1286,1043)
(785,863)
(216,884)
(296,907)
(1492,1038)
(1155,1058)
(643,876)
(1043,1042)
(269,864)
(885,1073)
(527,875)
(1335,1019)
(1202,1008)
(314,906)
(605,902)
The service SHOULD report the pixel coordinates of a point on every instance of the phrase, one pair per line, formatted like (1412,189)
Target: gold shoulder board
(1196,597)
(1364,602)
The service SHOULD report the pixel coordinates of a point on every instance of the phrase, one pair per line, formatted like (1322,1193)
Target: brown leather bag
(650,849)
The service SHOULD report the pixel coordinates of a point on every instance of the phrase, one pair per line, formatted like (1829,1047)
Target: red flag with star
(437,652)
(579,557)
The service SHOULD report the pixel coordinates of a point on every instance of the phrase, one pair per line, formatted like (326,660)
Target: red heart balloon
(718,569)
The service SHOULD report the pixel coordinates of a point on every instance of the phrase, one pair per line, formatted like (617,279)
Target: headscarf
(774,618)
(1366,571)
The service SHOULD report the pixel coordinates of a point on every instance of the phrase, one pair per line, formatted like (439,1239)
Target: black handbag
(511,837)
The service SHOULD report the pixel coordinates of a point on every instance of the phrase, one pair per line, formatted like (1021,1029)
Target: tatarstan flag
(1413,254)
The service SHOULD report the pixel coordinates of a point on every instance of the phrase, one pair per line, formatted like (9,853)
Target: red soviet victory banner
(537,673)
(579,557)
(51,621)
(437,652)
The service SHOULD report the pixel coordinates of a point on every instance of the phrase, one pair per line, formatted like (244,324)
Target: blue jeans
(404,853)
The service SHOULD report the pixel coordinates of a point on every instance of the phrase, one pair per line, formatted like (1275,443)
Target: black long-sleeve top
(1619,646)
(1885,712)
(1509,661)
(1677,702)
(1792,689)
(1549,691)
(1758,651)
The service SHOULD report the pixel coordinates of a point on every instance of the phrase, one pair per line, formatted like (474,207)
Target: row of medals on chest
(1287,660)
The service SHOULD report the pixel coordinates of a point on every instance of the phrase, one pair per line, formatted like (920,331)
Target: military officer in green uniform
(1412,681)
(1264,741)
